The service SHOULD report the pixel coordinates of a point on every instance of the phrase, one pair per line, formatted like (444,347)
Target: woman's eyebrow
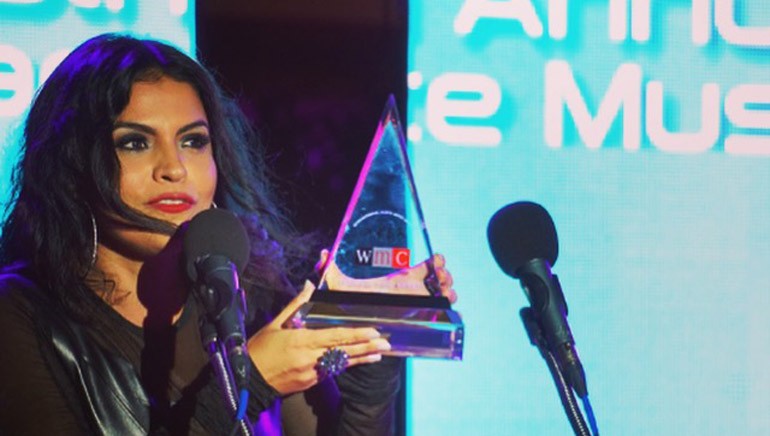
(193,125)
(149,130)
(135,126)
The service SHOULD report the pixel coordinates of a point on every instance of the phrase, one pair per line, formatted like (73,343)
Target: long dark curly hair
(69,168)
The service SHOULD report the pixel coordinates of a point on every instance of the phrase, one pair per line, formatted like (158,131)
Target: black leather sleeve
(31,402)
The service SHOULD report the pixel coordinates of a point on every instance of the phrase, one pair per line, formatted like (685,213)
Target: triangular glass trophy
(368,278)
(383,229)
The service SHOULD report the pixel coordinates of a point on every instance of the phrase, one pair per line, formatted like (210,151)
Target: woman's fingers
(439,261)
(339,336)
(376,346)
(369,358)
(360,345)
(361,353)
(451,295)
(301,298)
(364,352)
(442,274)
(444,278)
(322,258)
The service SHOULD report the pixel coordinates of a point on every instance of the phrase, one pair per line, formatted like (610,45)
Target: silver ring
(332,362)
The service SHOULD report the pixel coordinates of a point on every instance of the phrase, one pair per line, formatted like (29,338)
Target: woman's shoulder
(15,275)
(16,286)
(21,298)
(30,387)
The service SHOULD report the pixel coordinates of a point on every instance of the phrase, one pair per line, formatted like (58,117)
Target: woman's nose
(170,165)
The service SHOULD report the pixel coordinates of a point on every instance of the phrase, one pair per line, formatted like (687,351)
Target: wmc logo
(383,257)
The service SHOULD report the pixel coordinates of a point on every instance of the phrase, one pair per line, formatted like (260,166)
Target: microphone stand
(227,385)
(536,337)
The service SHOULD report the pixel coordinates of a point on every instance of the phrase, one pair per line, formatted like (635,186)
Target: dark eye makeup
(139,142)
(196,141)
(131,142)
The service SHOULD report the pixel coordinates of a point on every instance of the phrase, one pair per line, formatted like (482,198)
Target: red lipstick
(172,203)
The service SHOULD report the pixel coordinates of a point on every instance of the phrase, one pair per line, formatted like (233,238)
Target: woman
(127,140)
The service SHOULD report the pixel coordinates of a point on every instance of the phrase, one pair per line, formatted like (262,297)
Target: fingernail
(374,357)
(373,334)
(382,344)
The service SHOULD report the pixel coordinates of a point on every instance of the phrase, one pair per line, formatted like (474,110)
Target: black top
(162,378)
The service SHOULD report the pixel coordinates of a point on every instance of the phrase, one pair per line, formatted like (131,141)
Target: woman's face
(167,168)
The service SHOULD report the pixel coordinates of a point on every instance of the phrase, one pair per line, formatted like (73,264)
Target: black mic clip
(549,310)
(219,295)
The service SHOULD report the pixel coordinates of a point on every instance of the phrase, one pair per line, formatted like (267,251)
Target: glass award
(372,277)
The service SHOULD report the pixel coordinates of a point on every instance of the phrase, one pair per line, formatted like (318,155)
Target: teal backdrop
(36,35)
(643,128)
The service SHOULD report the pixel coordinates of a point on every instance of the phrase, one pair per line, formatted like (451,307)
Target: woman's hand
(409,281)
(287,358)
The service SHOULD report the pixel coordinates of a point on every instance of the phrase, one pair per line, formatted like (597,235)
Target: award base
(414,325)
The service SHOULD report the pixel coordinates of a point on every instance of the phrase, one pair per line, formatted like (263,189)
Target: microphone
(523,241)
(216,249)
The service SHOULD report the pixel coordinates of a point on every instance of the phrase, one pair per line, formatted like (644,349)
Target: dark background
(313,77)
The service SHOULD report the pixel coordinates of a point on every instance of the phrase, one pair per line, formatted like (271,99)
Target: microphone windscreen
(215,232)
(519,233)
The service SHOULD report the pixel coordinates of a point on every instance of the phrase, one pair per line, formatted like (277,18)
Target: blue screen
(642,127)
(36,35)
